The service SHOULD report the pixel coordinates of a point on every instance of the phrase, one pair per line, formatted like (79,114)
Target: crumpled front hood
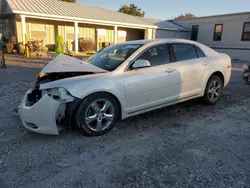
(64,63)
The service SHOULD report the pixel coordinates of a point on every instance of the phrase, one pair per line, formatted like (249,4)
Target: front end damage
(46,110)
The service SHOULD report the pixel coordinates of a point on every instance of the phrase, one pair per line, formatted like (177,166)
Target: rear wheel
(213,90)
(97,114)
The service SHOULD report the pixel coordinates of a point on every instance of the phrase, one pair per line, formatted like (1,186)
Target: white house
(45,19)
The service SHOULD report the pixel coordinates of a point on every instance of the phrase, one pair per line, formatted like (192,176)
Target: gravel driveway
(186,145)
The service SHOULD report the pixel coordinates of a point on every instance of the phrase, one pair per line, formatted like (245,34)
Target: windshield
(110,58)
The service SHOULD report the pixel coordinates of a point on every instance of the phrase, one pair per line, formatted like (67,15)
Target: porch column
(76,37)
(115,34)
(149,33)
(23,22)
(154,34)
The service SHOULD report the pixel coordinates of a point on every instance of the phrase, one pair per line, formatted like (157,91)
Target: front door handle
(205,63)
(169,70)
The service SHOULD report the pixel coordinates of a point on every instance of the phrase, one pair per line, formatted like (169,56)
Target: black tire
(207,95)
(80,120)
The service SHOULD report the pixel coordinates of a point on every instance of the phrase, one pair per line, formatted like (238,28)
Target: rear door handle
(205,63)
(169,70)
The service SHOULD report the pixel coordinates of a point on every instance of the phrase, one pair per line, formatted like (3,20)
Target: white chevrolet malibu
(120,81)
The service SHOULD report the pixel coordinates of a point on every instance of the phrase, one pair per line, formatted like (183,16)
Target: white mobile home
(228,34)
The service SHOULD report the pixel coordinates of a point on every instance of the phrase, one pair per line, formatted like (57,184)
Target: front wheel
(97,114)
(213,90)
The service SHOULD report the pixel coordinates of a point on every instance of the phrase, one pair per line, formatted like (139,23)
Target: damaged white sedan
(121,81)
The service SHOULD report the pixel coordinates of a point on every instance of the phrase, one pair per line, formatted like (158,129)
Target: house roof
(218,15)
(79,12)
(164,24)
(74,11)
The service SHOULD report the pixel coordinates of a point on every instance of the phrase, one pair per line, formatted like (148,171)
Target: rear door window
(184,52)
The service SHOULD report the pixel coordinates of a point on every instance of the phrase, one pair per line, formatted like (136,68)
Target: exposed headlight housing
(59,94)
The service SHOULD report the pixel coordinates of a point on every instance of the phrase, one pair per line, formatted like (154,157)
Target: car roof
(208,51)
(167,40)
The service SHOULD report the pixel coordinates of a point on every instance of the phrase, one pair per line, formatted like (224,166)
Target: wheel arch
(216,73)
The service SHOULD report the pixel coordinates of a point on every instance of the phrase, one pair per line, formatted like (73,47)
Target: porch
(75,33)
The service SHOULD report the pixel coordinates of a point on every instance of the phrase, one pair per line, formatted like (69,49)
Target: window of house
(218,32)
(184,52)
(122,36)
(246,32)
(70,33)
(157,55)
(37,31)
(194,32)
(199,52)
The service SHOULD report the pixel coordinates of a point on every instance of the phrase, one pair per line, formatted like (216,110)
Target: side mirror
(141,63)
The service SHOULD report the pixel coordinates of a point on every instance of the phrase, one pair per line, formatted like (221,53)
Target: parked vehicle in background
(120,81)
(246,74)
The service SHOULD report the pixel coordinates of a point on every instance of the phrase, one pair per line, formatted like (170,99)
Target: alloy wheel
(99,115)
(214,90)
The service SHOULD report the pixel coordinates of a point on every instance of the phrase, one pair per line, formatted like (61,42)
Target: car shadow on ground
(136,122)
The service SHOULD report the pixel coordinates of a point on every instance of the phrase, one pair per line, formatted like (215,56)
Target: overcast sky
(165,9)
